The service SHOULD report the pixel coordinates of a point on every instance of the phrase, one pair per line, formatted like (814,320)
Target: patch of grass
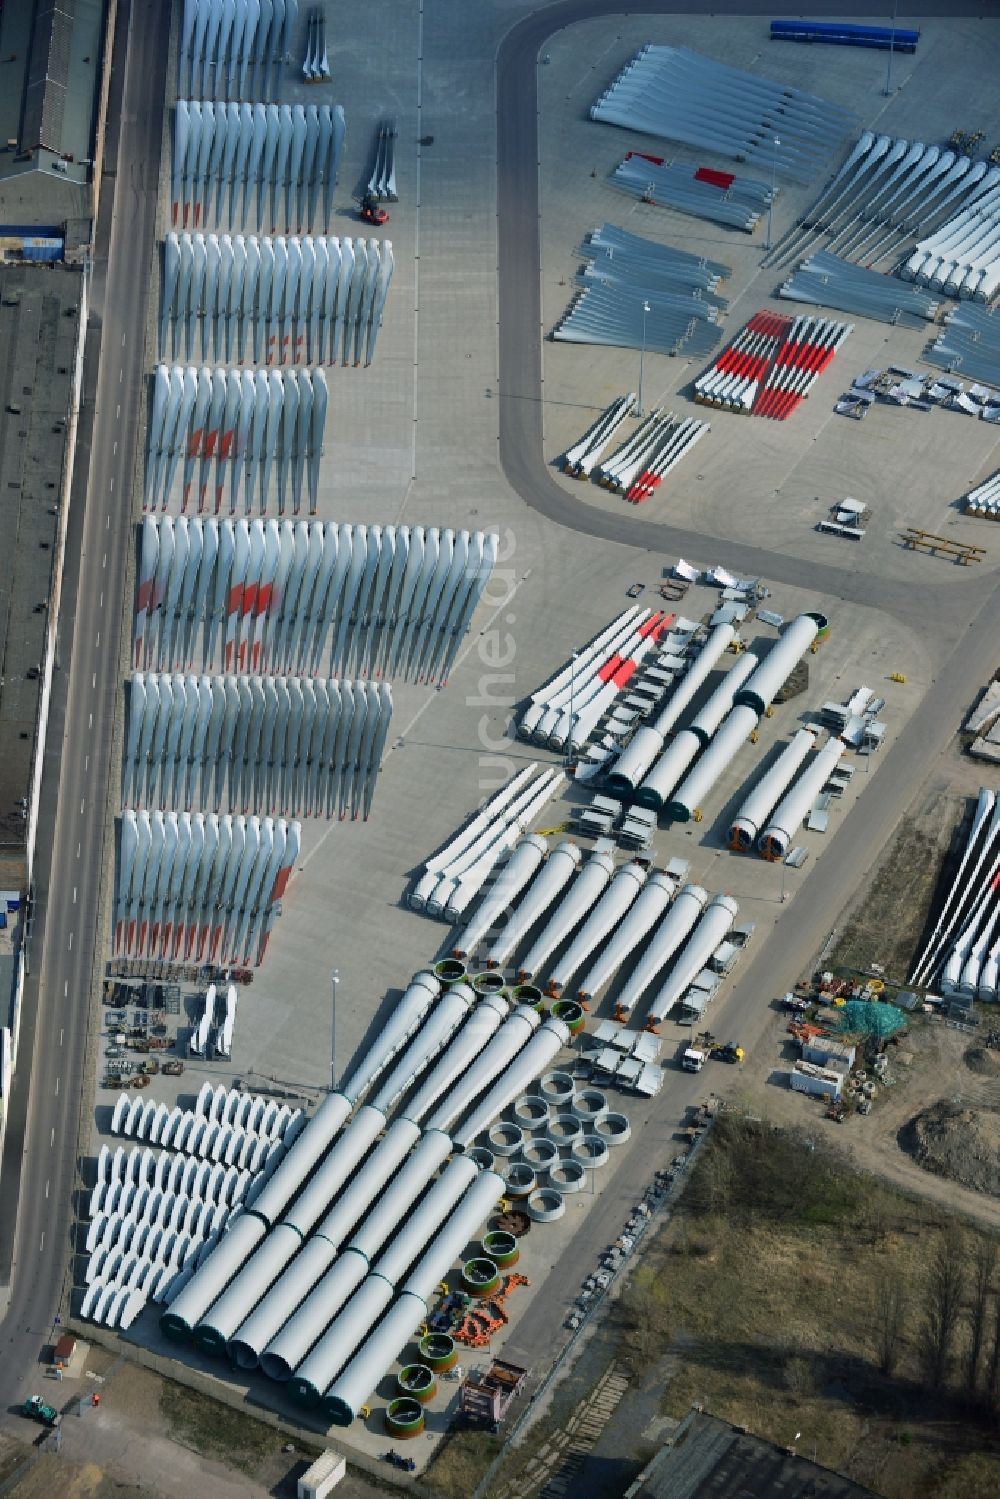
(757,1172)
(217,1431)
(764,1291)
(460,1463)
(887,924)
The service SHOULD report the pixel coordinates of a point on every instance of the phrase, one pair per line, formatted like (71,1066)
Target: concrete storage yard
(414,440)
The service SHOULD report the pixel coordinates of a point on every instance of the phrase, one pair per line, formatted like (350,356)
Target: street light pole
(892,41)
(642,356)
(335,978)
(774,175)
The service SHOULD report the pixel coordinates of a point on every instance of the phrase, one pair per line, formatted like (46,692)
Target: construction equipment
(731,1052)
(36,1410)
(406,1464)
(372,211)
(635,590)
(837,1112)
(794,1002)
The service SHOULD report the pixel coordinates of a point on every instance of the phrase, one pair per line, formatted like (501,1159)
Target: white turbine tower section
(794,806)
(547,885)
(642,916)
(764,797)
(664,943)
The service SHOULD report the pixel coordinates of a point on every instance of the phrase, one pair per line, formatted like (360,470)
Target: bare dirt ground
(153,1439)
(929,1067)
(959,1143)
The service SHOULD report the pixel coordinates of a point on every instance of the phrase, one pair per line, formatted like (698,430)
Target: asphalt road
(46,1105)
(959,625)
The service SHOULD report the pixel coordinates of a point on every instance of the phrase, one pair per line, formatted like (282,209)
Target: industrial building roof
(37,347)
(708,1456)
(50,57)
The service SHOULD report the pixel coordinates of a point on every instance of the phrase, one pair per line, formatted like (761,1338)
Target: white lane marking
(78,850)
(82,805)
(102,602)
(118,411)
(58,1081)
(52,1137)
(98,640)
(114,450)
(93,683)
(65,995)
(74,895)
(46,1190)
(111,485)
(86,763)
(62,1032)
(105,562)
(70,947)
(121,376)
(123,340)
(41,1247)
(90,721)
(107,523)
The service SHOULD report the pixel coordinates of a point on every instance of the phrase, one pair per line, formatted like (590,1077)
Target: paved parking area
(750,479)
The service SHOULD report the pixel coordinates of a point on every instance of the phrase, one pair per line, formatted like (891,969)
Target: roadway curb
(90,1098)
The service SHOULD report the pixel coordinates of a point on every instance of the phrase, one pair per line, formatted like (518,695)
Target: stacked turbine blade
(887,192)
(984,500)
(382,182)
(962,957)
(734,379)
(316,63)
(264,432)
(642,462)
(453,877)
(970,342)
(281,301)
(826,281)
(802,358)
(627,273)
(295,745)
(201,888)
(720,197)
(300,597)
(273,162)
(963,258)
(566,711)
(679,95)
(232,49)
(579,460)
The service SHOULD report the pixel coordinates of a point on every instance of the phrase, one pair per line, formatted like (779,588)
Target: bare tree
(983,1269)
(888,1319)
(993,1372)
(945,1287)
